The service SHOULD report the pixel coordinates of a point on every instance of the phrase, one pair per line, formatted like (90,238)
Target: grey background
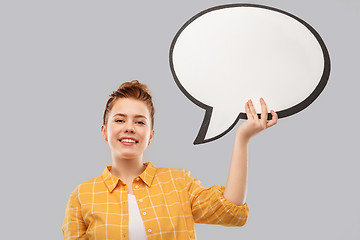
(60,60)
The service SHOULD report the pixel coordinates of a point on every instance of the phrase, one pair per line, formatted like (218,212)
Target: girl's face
(128,128)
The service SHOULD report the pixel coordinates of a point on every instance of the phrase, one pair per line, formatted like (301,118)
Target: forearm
(236,185)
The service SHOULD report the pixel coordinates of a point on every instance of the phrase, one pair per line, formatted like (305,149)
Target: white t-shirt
(136,224)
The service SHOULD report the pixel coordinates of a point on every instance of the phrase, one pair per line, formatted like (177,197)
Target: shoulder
(86,186)
(178,175)
(176,172)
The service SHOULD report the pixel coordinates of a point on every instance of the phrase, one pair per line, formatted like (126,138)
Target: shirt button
(137,178)
(137,186)
(144,213)
(149,230)
(140,200)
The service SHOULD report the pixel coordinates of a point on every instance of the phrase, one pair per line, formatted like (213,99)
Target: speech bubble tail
(204,126)
(212,120)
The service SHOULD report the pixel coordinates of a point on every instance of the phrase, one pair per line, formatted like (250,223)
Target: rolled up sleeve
(211,207)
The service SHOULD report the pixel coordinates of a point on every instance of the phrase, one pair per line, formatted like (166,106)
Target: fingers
(274,119)
(251,113)
(252,110)
(247,110)
(264,111)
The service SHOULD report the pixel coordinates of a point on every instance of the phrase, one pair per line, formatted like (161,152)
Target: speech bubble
(228,54)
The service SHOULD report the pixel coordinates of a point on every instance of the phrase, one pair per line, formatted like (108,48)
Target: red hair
(134,90)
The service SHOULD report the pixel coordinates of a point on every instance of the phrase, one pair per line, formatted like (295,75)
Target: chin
(130,156)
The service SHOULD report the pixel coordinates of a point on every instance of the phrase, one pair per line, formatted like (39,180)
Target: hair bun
(136,84)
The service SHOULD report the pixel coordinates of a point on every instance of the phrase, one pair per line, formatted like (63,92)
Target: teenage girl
(133,199)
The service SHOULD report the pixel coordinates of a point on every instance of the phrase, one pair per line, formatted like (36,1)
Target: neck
(127,169)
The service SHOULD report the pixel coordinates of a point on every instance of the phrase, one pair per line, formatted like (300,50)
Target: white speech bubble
(228,54)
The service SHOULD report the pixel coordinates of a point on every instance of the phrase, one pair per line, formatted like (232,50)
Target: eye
(141,123)
(119,120)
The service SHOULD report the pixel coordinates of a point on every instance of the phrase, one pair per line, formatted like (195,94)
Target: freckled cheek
(113,132)
(146,138)
(142,136)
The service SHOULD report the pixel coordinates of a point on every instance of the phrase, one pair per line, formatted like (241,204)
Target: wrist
(241,137)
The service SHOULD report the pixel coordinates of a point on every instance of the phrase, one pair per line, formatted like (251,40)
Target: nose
(129,128)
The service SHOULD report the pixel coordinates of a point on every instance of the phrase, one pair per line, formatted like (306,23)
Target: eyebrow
(124,115)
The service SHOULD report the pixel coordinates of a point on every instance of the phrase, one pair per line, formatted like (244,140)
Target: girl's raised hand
(253,125)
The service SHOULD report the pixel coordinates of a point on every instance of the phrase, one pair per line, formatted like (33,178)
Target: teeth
(128,140)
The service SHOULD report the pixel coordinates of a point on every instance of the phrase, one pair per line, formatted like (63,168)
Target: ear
(151,136)
(103,132)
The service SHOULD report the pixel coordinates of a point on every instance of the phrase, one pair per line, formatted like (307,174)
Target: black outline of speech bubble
(281,114)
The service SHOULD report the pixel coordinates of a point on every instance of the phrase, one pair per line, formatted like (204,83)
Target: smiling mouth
(127,140)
